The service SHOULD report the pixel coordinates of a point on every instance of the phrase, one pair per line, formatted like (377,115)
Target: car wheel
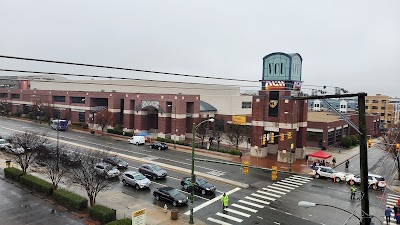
(137,187)
(174,203)
(157,197)
(159,148)
(124,182)
(351,182)
(337,180)
(317,176)
(137,143)
(154,177)
(203,192)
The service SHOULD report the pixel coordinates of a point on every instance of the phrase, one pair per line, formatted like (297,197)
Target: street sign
(139,217)
(239,120)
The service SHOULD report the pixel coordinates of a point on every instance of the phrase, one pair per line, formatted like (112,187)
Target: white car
(106,170)
(15,150)
(374,181)
(328,172)
(4,144)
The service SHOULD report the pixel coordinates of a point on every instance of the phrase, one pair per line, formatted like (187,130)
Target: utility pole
(365,218)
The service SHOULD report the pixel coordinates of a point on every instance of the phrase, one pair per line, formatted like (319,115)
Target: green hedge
(13,173)
(112,131)
(346,142)
(125,221)
(37,184)
(354,140)
(70,199)
(102,213)
(128,134)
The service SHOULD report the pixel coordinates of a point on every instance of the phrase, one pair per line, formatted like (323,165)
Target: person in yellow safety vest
(353,192)
(224,201)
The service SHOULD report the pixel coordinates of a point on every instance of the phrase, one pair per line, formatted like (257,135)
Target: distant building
(386,108)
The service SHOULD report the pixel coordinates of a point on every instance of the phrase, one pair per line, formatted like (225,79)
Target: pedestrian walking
(333,161)
(240,155)
(347,165)
(397,218)
(224,201)
(353,191)
(388,211)
(395,209)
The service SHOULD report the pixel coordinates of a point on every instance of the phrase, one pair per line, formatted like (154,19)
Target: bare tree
(4,107)
(218,131)
(201,132)
(389,142)
(237,134)
(103,119)
(86,176)
(56,167)
(32,143)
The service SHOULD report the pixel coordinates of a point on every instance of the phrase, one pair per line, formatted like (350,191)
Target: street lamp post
(193,180)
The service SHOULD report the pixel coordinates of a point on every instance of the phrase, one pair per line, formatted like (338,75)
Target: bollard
(165,208)
(174,214)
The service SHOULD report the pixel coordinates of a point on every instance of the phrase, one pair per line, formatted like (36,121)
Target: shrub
(180,143)
(78,124)
(118,127)
(85,126)
(70,199)
(112,131)
(125,221)
(13,173)
(18,114)
(346,142)
(128,134)
(37,184)
(161,139)
(102,213)
(354,140)
(31,116)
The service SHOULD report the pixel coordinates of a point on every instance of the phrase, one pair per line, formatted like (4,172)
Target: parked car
(328,172)
(170,194)
(16,150)
(135,179)
(153,171)
(106,170)
(159,145)
(69,157)
(201,185)
(115,161)
(374,181)
(4,144)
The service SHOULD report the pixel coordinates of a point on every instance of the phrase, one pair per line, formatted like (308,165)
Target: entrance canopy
(320,154)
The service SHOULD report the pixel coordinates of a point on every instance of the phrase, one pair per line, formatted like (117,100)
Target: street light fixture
(193,180)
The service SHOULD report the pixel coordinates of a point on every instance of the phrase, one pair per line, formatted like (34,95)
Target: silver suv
(135,179)
(106,170)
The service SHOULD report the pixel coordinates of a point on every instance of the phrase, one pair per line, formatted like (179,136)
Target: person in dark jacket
(395,209)
(388,211)
(347,165)
(397,218)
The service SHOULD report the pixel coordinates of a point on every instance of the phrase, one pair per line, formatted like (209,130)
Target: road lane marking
(217,198)
(218,221)
(270,194)
(257,200)
(264,197)
(272,189)
(299,179)
(244,208)
(288,213)
(229,217)
(287,184)
(295,180)
(237,212)
(291,182)
(252,204)
(282,186)
(309,178)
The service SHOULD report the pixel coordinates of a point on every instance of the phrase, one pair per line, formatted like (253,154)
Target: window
(81,117)
(59,98)
(3,95)
(374,101)
(374,107)
(366,107)
(383,107)
(366,101)
(331,136)
(15,96)
(384,101)
(246,105)
(79,100)
(382,114)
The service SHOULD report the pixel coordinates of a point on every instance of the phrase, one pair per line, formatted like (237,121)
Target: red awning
(320,154)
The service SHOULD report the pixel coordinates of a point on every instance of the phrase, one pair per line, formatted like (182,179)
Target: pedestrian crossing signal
(272,137)
(264,139)
(369,143)
(397,147)
(245,167)
(282,136)
(289,135)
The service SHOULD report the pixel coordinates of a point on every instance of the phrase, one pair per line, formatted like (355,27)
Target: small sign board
(139,217)
(239,120)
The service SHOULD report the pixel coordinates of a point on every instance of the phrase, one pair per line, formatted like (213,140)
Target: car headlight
(207,189)
(180,201)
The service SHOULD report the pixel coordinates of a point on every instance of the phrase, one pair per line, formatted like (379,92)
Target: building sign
(139,217)
(239,120)
(274,85)
(273,104)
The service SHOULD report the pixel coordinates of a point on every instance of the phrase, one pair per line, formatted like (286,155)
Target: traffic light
(397,147)
(369,143)
(264,139)
(272,137)
(282,136)
(245,167)
(274,173)
(289,135)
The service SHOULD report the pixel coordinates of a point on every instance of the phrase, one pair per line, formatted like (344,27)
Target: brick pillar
(140,120)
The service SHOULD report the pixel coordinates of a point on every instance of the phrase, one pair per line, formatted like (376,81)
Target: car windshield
(139,177)
(118,160)
(3,141)
(108,167)
(173,192)
(156,168)
(380,178)
(201,181)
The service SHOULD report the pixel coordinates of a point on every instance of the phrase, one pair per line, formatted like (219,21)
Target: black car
(115,161)
(70,158)
(153,171)
(201,185)
(170,194)
(159,146)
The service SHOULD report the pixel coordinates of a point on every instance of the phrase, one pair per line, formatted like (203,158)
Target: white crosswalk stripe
(291,182)
(396,196)
(229,217)
(296,180)
(283,186)
(270,194)
(252,204)
(217,221)
(263,197)
(308,178)
(244,208)
(288,184)
(272,188)
(237,212)
(392,197)
(257,200)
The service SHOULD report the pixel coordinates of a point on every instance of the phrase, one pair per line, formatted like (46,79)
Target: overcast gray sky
(350,44)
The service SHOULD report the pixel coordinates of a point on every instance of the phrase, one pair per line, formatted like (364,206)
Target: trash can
(8,163)
(174,214)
